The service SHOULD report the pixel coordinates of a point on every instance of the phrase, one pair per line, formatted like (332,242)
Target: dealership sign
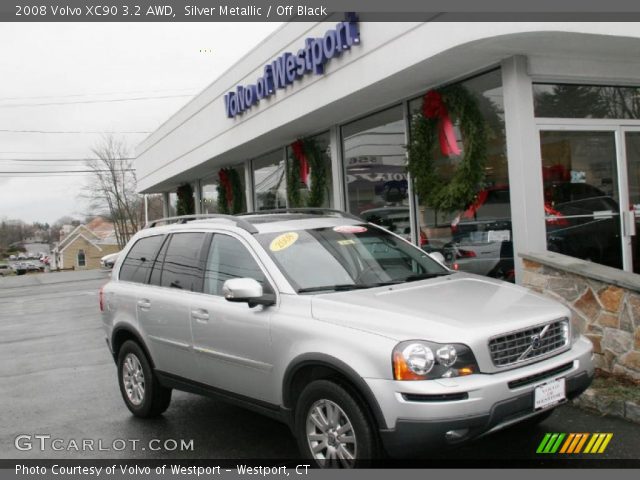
(288,67)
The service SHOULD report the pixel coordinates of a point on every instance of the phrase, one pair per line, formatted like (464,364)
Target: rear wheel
(140,389)
(332,427)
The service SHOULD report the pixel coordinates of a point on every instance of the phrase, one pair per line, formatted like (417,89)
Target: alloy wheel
(133,379)
(330,435)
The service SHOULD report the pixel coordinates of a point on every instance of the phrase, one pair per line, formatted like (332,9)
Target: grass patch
(615,387)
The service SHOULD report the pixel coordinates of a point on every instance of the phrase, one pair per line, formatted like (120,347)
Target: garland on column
(306,157)
(186,203)
(230,193)
(433,127)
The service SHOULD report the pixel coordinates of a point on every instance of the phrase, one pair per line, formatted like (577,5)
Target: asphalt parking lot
(57,378)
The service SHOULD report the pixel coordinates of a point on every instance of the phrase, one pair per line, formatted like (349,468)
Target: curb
(594,400)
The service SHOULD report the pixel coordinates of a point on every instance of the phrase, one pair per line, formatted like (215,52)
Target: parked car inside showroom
(581,221)
(356,339)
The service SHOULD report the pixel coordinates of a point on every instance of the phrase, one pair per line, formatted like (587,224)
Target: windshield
(347,257)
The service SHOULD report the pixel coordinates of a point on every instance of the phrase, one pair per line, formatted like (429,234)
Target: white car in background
(109,260)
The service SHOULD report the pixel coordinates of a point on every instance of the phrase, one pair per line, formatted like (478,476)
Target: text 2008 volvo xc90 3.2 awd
(361,342)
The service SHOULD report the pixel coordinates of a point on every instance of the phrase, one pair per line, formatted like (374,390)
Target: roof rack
(309,211)
(240,222)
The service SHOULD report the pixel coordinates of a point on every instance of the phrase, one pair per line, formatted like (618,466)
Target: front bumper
(418,414)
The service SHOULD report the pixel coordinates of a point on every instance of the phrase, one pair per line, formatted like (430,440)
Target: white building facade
(561,103)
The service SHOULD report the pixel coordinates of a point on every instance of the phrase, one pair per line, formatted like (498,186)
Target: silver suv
(359,341)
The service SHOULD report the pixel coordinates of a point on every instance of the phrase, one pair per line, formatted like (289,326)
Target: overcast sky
(59,77)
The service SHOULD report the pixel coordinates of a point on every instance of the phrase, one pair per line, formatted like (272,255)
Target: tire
(358,438)
(142,393)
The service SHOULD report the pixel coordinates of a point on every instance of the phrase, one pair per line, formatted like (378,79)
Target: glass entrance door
(632,218)
(581,194)
(591,180)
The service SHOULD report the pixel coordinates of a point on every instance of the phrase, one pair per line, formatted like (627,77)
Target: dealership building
(324,114)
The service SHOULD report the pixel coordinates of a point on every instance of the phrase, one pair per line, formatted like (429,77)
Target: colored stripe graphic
(581,443)
(599,443)
(567,442)
(550,443)
(543,443)
(573,443)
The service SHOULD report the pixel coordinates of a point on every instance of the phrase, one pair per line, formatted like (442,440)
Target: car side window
(137,265)
(156,271)
(183,263)
(227,259)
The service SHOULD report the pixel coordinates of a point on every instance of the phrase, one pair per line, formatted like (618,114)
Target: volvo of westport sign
(288,67)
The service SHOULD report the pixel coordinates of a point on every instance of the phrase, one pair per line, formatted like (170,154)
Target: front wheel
(332,427)
(141,391)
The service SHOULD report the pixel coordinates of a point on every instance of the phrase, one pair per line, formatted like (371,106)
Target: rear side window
(137,265)
(183,265)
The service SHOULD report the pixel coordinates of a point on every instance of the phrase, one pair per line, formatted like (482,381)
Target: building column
(197,196)
(525,164)
(337,169)
(248,189)
(165,204)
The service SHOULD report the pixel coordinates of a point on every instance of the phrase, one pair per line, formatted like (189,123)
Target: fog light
(453,436)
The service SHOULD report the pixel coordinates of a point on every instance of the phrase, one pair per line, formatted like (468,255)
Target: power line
(69,131)
(99,94)
(121,159)
(47,175)
(113,100)
(68,171)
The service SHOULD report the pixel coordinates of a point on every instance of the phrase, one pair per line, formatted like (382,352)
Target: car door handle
(200,315)
(144,304)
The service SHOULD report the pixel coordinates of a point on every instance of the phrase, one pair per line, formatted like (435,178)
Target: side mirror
(437,256)
(247,290)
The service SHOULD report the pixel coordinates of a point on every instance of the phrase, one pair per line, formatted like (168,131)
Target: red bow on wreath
(434,107)
(225,181)
(298,153)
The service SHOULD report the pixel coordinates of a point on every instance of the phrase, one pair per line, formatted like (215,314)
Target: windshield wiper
(424,276)
(337,288)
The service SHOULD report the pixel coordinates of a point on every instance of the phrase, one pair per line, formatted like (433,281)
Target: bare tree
(112,188)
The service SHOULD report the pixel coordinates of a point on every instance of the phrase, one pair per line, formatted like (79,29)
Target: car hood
(461,308)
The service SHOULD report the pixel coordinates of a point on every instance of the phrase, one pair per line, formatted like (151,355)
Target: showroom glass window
(173,204)
(321,145)
(270,181)
(209,189)
(375,159)
(589,141)
(478,238)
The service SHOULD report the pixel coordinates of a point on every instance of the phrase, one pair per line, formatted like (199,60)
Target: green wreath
(236,203)
(318,168)
(440,193)
(186,204)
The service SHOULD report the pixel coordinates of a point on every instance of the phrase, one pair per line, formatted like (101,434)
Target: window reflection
(375,168)
(581,195)
(586,101)
(478,238)
(269,177)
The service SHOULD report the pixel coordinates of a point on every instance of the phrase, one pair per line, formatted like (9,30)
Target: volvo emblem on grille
(536,342)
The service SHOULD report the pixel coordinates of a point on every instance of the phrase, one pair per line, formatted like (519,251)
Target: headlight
(416,360)
(418,357)
(447,355)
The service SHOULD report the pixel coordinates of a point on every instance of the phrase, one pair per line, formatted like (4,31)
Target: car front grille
(530,343)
